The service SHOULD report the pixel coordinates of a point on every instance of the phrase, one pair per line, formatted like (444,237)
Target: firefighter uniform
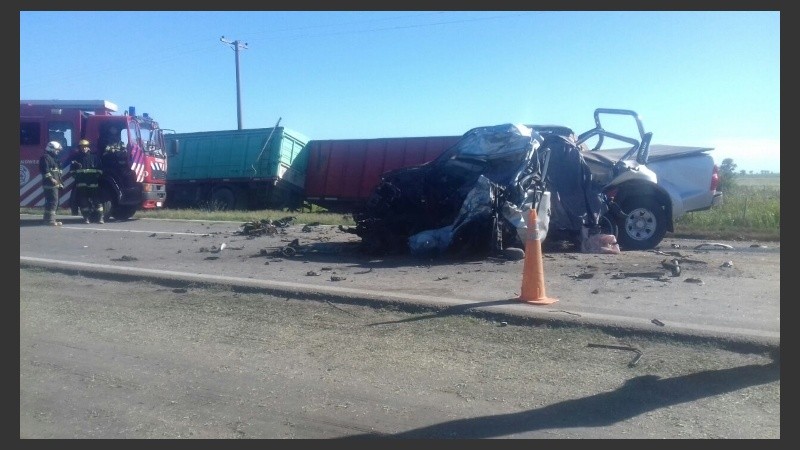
(87,172)
(50,170)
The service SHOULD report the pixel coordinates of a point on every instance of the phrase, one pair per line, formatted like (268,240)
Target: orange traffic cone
(532,271)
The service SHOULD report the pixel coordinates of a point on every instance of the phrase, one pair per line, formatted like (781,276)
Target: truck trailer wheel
(223,199)
(643,225)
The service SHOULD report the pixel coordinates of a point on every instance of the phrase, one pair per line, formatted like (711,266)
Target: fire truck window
(29,133)
(62,132)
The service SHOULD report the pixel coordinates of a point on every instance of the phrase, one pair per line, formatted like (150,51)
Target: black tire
(643,225)
(223,199)
(123,212)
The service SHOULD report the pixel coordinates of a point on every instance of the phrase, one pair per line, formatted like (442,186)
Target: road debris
(264,227)
(635,359)
(582,276)
(656,275)
(693,280)
(674,266)
(657,322)
(713,244)
(727,264)
(126,258)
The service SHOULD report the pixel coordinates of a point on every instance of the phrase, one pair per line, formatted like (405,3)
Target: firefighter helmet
(53,147)
(83,143)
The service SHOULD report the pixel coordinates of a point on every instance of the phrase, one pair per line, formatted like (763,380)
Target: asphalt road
(155,329)
(726,290)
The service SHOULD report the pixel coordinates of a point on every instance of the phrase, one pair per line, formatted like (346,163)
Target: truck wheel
(223,199)
(123,212)
(643,226)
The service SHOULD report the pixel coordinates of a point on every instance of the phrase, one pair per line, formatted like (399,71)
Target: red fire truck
(135,180)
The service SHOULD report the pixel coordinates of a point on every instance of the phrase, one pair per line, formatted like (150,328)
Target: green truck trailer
(236,169)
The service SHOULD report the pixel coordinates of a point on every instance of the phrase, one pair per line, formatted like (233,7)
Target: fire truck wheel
(123,212)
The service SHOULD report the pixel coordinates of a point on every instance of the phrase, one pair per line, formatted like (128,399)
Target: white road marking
(67,227)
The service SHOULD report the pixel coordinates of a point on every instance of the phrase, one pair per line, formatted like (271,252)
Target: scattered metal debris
(259,228)
(635,359)
(582,276)
(657,322)
(693,280)
(674,266)
(691,261)
(727,264)
(514,253)
(126,258)
(307,228)
(337,278)
(656,275)
(659,252)
(713,244)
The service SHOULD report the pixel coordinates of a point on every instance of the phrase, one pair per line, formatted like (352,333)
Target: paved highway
(729,291)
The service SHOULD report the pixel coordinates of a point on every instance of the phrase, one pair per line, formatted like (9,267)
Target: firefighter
(51,181)
(87,172)
(114,149)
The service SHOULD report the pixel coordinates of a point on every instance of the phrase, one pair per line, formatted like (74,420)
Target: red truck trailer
(137,181)
(342,173)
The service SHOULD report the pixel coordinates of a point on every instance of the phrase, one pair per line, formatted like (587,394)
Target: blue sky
(696,78)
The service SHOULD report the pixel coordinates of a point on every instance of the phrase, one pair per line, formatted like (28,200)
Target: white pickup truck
(648,186)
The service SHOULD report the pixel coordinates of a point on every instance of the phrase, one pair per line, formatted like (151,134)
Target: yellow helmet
(83,143)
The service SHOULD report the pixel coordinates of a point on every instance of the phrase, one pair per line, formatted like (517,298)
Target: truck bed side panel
(688,178)
(238,155)
(349,169)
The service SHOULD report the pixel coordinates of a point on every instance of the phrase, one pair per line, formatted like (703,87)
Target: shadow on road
(637,396)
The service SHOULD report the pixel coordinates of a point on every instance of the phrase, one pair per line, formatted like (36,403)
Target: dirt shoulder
(162,362)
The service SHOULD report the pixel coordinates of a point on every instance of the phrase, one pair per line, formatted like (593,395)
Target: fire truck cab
(130,147)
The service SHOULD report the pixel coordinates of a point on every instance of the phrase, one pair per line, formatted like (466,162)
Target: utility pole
(236,45)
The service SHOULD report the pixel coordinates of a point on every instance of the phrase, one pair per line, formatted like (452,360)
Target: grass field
(751,211)
(771,181)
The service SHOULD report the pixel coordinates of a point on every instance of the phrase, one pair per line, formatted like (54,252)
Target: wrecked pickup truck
(473,198)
